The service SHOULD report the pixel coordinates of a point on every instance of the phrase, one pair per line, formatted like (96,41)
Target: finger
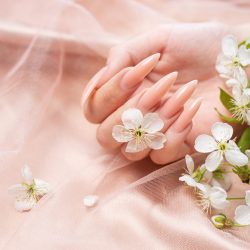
(104,132)
(169,112)
(92,85)
(117,91)
(175,148)
(134,50)
(176,102)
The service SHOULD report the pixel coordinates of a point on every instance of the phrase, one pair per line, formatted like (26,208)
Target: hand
(190,48)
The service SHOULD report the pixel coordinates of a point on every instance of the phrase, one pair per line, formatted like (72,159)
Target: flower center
(236,62)
(31,189)
(240,112)
(222,146)
(138,132)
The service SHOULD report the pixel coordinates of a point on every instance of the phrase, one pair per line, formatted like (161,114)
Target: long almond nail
(154,94)
(176,102)
(92,85)
(186,117)
(139,72)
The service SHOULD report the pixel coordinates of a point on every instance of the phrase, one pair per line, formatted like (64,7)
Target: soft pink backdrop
(48,52)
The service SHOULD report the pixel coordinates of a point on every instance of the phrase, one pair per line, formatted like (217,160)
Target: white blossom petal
(152,123)
(221,67)
(190,164)
(121,134)
(27,174)
(236,157)
(155,141)
(134,147)
(90,200)
(42,187)
(191,182)
(242,215)
(218,198)
(17,190)
(222,131)
(247,197)
(132,118)
(244,55)
(205,144)
(230,46)
(213,160)
(25,204)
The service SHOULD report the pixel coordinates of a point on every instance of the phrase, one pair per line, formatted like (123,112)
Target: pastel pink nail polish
(154,94)
(139,72)
(186,117)
(92,85)
(176,102)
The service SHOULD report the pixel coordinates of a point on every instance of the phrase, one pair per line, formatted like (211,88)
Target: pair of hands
(142,73)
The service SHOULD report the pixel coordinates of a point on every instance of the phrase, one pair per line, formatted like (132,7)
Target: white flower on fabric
(90,200)
(242,212)
(241,110)
(140,132)
(232,59)
(219,146)
(29,191)
(192,178)
(215,197)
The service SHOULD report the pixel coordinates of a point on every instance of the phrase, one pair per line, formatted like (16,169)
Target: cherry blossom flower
(219,146)
(242,212)
(193,178)
(140,132)
(232,59)
(215,197)
(29,191)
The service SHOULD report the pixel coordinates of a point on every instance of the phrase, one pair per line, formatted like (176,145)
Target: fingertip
(91,85)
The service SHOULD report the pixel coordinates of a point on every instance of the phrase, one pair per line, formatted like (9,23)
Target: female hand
(189,48)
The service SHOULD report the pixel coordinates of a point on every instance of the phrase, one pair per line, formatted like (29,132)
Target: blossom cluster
(212,179)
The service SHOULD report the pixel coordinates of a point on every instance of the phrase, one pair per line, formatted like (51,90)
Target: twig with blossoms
(211,180)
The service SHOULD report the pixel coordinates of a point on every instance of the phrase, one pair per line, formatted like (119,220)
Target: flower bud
(219,220)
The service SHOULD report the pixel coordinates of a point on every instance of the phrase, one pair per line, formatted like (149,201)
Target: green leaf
(248,46)
(244,142)
(248,85)
(227,118)
(242,43)
(227,100)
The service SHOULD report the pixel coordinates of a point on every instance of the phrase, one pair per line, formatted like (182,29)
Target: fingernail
(92,85)
(186,117)
(154,94)
(139,72)
(186,88)
(176,102)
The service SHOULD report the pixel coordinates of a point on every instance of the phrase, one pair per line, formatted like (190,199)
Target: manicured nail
(176,102)
(139,72)
(92,85)
(154,94)
(186,117)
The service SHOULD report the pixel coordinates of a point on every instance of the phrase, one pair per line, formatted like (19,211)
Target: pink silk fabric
(49,49)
